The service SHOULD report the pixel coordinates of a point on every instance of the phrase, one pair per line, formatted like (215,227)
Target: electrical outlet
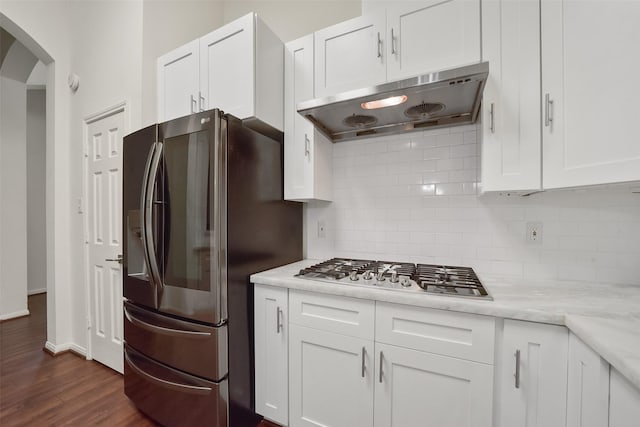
(534,233)
(322,230)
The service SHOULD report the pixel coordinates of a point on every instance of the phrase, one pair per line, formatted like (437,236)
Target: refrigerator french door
(203,209)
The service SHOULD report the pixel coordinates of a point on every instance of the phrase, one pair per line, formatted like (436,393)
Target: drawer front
(342,315)
(193,348)
(172,397)
(461,335)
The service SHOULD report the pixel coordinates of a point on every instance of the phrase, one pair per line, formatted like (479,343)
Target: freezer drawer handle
(162,330)
(167,384)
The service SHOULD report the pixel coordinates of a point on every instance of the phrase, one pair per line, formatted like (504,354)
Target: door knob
(118,260)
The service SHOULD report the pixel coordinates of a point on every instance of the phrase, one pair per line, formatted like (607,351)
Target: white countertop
(605,317)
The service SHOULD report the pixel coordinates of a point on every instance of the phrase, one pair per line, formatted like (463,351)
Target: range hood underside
(459,91)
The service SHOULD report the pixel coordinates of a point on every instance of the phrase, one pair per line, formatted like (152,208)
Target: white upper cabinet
(431,35)
(511,144)
(238,69)
(533,375)
(307,153)
(590,107)
(178,82)
(350,55)
(396,42)
(588,386)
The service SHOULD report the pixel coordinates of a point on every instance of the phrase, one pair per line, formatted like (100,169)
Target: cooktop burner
(433,279)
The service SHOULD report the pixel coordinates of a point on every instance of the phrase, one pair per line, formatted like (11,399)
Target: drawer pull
(379,46)
(380,375)
(363,353)
(278,320)
(162,330)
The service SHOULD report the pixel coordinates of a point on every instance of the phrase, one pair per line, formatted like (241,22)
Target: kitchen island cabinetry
(533,375)
(624,402)
(390,44)
(272,347)
(238,69)
(307,153)
(588,386)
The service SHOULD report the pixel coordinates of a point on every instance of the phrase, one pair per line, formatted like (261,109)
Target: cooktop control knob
(367,275)
(404,282)
(394,277)
(353,275)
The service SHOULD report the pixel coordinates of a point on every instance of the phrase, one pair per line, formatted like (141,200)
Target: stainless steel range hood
(445,98)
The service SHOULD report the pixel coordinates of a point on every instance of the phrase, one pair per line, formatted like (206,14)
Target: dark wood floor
(38,389)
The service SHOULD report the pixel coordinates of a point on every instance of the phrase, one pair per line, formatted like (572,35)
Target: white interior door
(104,226)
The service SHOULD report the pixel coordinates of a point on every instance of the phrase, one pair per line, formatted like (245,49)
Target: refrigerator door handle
(167,384)
(162,330)
(143,197)
(150,244)
(220,215)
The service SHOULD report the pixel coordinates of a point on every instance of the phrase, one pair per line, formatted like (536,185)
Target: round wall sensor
(73,81)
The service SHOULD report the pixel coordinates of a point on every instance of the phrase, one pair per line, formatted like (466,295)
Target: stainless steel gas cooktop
(432,279)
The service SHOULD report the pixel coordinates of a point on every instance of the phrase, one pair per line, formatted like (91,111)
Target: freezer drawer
(171,397)
(190,347)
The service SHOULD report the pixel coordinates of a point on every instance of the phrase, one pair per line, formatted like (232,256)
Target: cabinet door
(307,154)
(178,82)
(331,379)
(415,388)
(533,385)
(511,140)
(432,35)
(588,386)
(271,349)
(590,119)
(350,55)
(227,67)
(624,402)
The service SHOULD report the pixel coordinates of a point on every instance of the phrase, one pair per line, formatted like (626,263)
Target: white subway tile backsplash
(414,198)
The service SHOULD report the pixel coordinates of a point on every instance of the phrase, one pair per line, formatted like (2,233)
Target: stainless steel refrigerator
(203,209)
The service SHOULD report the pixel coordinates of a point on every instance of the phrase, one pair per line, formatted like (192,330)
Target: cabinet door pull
(379,46)
(363,352)
(193,104)
(492,120)
(380,374)
(393,42)
(307,145)
(201,101)
(517,374)
(548,115)
(278,320)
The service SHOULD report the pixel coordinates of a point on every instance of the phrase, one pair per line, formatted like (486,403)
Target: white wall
(13,189)
(291,19)
(43,27)
(36,218)
(413,198)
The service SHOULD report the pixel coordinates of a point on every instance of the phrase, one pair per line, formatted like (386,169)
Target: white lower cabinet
(415,388)
(533,375)
(624,402)
(272,352)
(331,379)
(588,386)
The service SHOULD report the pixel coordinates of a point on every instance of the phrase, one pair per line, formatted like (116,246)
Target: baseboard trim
(14,315)
(57,350)
(37,291)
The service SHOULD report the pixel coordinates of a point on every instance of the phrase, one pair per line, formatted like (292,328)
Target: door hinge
(89,323)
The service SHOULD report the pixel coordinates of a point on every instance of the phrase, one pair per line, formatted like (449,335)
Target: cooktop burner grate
(435,279)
